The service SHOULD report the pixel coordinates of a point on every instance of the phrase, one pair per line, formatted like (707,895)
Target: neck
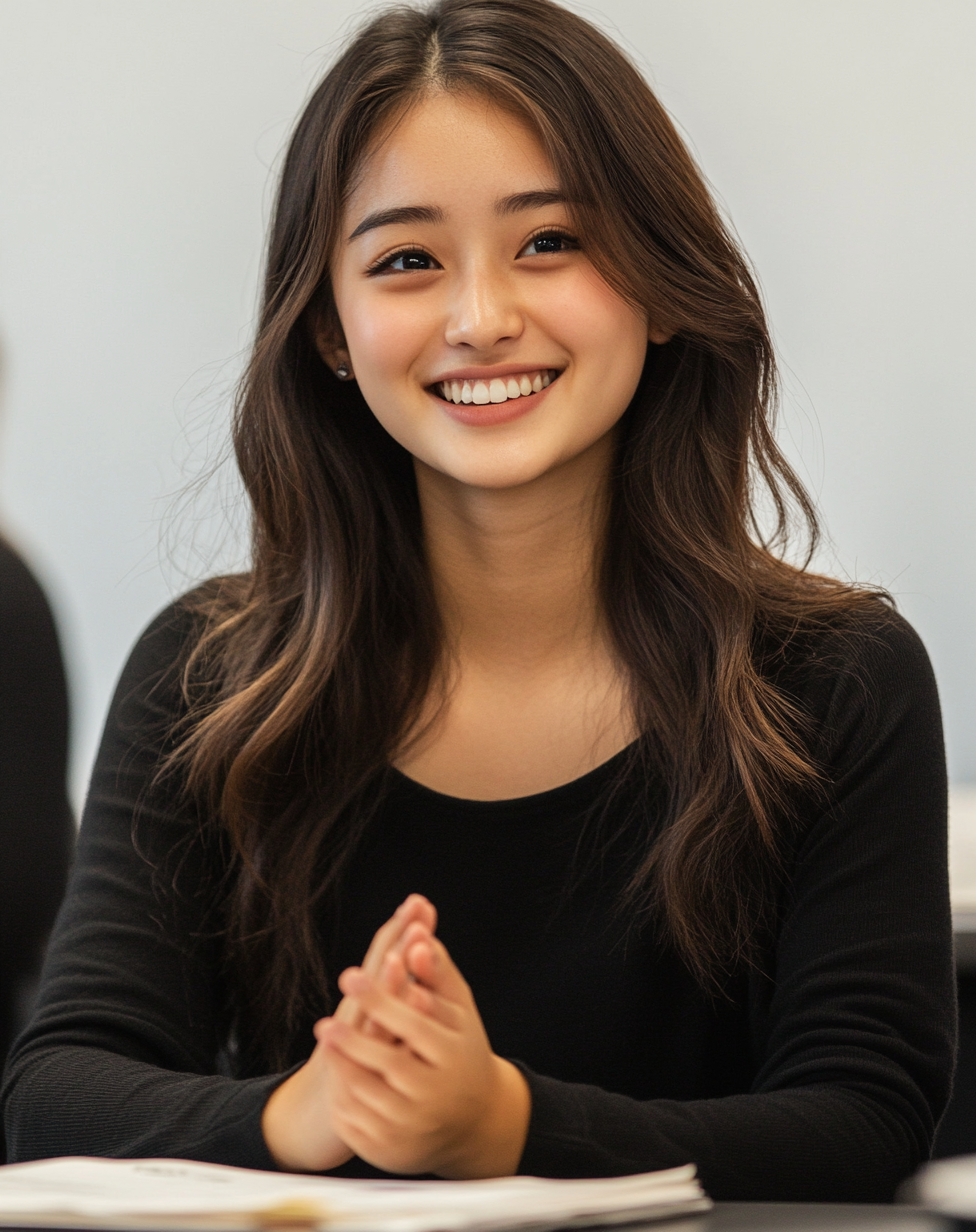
(514,568)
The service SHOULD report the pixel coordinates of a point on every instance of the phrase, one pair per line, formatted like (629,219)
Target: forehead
(446,147)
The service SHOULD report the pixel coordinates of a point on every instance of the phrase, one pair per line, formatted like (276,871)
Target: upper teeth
(500,389)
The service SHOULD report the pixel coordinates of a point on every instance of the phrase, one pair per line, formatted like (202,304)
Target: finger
(414,908)
(427,1036)
(420,961)
(372,1137)
(351,1084)
(361,1126)
(394,978)
(419,998)
(420,917)
(345,1011)
(415,931)
(384,937)
(429,962)
(415,994)
(356,1083)
(393,1064)
(425,1003)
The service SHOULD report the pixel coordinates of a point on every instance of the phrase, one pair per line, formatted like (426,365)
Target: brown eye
(549,241)
(412,261)
(403,262)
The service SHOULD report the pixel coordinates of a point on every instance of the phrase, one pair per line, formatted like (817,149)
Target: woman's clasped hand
(402,1074)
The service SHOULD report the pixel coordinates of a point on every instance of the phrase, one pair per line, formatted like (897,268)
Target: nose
(483,311)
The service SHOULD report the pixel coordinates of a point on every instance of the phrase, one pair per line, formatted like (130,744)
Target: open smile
(496,389)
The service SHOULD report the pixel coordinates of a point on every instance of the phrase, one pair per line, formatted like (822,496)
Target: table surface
(809,1217)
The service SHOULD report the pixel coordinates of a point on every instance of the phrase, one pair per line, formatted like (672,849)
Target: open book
(163,1194)
(947,1186)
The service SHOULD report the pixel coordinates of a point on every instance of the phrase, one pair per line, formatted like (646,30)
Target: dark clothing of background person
(820,1074)
(36,827)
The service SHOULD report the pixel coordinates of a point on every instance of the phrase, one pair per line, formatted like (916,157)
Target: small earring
(342,372)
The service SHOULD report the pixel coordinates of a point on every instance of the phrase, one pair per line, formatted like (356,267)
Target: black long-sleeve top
(818,1074)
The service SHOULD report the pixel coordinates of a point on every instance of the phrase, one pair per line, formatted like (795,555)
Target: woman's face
(481,336)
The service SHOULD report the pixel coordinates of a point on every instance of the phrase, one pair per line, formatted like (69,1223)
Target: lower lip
(491,413)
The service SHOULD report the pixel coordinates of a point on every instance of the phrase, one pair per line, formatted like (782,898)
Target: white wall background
(137,144)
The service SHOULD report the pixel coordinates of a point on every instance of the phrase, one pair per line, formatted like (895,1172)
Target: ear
(331,346)
(658,334)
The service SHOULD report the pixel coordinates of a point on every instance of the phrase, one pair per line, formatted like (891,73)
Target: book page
(171,1194)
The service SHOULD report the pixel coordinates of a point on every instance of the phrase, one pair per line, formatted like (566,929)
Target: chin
(493,472)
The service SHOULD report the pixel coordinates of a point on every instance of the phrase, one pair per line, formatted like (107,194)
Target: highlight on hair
(310,668)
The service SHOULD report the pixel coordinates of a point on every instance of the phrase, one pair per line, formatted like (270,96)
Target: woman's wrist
(496,1146)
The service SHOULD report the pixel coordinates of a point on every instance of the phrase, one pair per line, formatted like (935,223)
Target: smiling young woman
(515,654)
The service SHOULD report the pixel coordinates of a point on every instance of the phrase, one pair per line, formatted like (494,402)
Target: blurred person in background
(36,825)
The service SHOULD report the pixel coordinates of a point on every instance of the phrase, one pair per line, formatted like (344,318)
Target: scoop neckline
(550,795)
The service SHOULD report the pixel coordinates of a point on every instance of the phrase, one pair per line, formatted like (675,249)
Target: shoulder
(152,685)
(873,643)
(173,632)
(862,682)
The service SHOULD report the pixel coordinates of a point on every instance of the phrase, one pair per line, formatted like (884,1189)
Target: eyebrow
(530,201)
(432,213)
(400,213)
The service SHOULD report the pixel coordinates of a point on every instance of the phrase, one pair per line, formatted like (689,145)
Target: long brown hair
(311,667)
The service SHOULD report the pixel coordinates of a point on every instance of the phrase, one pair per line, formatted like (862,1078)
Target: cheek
(609,341)
(383,337)
(604,333)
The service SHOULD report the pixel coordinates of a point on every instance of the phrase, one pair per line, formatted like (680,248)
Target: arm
(121,1056)
(852,1028)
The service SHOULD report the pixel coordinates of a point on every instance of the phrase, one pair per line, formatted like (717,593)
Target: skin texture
(489,298)
(403,1074)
